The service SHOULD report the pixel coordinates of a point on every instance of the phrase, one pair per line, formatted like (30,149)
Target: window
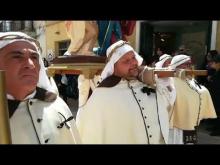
(63,46)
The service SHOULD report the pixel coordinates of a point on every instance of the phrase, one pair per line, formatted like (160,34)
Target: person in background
(193,103)
(164,61)
(207,66)
(46,64)
(159,52)
(214,89)
(182,50)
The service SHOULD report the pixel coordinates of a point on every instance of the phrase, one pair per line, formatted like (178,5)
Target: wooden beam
(5,132)
(171,73)
(89,70)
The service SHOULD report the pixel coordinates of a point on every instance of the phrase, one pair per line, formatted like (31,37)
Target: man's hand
(181,73)
(147,76)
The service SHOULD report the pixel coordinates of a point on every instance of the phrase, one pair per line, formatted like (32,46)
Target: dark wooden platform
(77,64)
(78,59)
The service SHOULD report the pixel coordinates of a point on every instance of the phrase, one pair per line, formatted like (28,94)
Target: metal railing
(15,26)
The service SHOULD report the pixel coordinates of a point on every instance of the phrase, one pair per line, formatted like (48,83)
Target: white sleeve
(166,87)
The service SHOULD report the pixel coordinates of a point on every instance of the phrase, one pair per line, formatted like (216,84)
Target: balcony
(22,26)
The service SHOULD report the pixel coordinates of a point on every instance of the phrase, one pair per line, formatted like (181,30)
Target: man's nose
(29,63)
(134,62)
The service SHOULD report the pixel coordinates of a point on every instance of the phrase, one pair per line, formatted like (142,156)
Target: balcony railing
(16,26)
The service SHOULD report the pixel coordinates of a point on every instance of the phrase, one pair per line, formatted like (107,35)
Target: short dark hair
(216,58)
(163,49)
(213,52)
(211,55)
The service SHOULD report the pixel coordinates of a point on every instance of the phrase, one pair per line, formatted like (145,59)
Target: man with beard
(122,109)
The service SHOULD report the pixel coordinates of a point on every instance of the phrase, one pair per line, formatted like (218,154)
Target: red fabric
(113,38)
(127,28)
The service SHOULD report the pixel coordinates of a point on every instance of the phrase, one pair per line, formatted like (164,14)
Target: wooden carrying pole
(171,73)
(5,133)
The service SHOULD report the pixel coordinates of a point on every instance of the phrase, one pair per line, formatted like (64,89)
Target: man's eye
(34,57)
(126,62)
(16,56)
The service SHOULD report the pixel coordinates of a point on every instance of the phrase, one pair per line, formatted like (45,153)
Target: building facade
(198,36)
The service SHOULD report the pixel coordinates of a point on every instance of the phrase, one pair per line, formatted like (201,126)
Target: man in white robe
(37,114)
(164,61)
(123,110)
(193,103)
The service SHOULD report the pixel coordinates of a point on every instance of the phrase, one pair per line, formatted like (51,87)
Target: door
(146,42)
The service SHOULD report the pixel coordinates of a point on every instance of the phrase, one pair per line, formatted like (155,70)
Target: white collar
(30,96)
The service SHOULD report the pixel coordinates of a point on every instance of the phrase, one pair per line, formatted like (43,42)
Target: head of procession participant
(164,61)
(20,58)
(181,62)
(122,61)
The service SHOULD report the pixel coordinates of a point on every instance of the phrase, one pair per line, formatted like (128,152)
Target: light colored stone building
(197,36)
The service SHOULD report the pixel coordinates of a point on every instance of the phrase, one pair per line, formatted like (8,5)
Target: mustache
(134,67)
(29,73)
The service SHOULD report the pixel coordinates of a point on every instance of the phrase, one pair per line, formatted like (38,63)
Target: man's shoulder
(51,100)
(59,106)
(110,81)
(60,102)
(44,95)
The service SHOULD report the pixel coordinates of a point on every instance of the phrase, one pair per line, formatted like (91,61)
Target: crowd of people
(130,105)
